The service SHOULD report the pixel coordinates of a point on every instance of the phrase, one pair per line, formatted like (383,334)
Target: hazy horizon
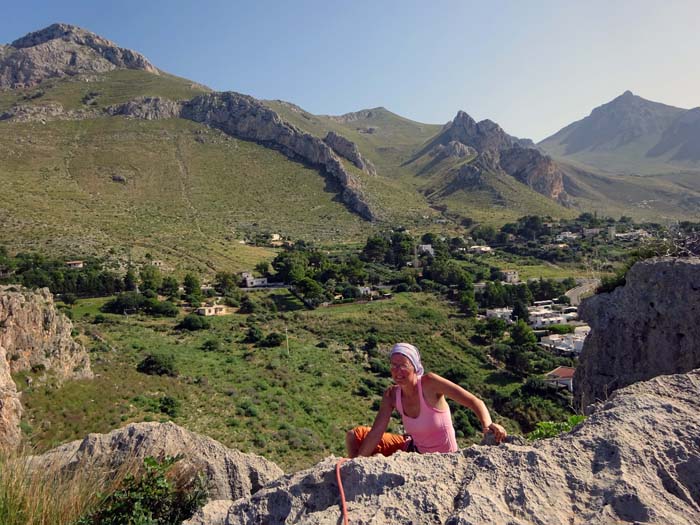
(533,69)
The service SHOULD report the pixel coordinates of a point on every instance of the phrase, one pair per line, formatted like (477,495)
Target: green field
(293,408)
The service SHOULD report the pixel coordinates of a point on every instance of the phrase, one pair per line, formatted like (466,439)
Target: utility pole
(286,336)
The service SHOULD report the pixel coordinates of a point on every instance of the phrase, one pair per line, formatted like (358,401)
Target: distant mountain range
(633,135)
(98,147)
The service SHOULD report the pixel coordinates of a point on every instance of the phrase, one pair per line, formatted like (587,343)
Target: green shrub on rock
(151,498)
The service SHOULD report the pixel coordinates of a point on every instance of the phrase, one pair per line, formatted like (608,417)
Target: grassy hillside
(394,142)
(391,143)
(661,198)
(183,192)
(114,87)
(293,408)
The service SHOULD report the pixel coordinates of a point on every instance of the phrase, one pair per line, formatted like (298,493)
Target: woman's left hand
(498,432)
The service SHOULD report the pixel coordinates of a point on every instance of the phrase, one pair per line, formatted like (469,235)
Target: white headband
(411,352)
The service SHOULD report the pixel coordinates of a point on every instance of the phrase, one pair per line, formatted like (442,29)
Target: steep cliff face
(62,50)
(645,328)
(349,150)
(244,117)
(634,460)
(10,406)
(535,170)
(33,335)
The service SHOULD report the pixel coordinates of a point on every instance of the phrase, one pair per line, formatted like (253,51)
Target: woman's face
(402,370)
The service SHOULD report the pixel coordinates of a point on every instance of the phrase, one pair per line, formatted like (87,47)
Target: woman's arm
(381,422)
(441,386)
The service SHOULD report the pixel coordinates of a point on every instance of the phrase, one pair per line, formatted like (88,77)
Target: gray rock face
(32,334)
(511,155)
(46,112)
(453,149)
(10,407)
(646,328)
(231,474)
(63,50)
(535,170)
(634,460)
(244,117)
(349,150)
(147,108)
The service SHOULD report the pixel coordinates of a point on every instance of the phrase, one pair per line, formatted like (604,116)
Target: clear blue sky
(532,66)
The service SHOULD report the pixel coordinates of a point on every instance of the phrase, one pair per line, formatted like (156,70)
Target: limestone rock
(453,149)
(62,50)
(645,328)
(231,474)
(354,116)
(35,334)
(349,150)
(634,460)
(32,334)
(535,170)
(46,112)
(147,108)
(10,407)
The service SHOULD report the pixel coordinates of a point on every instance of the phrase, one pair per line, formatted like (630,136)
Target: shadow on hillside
(286,302)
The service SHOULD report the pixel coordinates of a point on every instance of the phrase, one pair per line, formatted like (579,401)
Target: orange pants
(389,443)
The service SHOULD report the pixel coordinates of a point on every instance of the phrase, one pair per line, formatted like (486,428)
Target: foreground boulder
(34,335)
(640,330)
(230,474)
(636,459)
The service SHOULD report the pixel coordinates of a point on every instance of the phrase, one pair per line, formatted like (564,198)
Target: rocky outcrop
(147,108)
(244,117)
(535,170)
(10,407)
(62,50)
(349,150)
(46,112)
(484,135)
(230,474)
(511,155)
(354,116)
(453,149)
(645,328)
(636,459)
(33,336)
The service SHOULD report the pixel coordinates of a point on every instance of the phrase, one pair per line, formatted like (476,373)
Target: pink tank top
(432,430)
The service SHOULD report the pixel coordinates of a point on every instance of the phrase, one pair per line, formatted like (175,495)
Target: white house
(479,249)
(499,313)
(75,264)
(543,316)
(426,248)
(567,236)
(217,309)
(563,376)
(510,276)
(563,343)
(252,282)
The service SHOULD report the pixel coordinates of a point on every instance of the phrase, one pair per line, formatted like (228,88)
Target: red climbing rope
(340,488)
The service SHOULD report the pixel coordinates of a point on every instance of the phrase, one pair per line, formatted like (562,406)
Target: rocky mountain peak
(61,50)
(481,136)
